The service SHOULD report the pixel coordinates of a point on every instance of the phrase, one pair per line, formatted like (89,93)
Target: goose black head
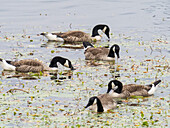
(103,27)
(115,85)
(65,62)
(114,50)
(44,33)
(95,100)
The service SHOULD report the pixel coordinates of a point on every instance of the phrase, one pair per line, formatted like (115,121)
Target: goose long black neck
(109,87)
(96,28)
(99,106)
(155,83)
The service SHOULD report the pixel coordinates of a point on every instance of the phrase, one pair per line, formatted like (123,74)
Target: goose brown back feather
(133,87)
(27,62)
(27,68)
(72,33)
(74,36)
(135,90)
(96,53)
(28,65)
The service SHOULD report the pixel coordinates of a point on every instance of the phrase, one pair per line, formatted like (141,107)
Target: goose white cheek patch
(66,63)
(95,101)
(104,29)
(113,49)
(113,85)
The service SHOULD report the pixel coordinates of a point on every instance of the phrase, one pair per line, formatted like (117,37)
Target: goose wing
(136,90)
(134,87)
(27,68)
(96,53)
(141,92)
(26,62)
(74,36)
(78,34)
(59,34)
(28,65)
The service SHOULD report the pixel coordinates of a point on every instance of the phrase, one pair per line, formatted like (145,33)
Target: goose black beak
(87,105)
(73,68)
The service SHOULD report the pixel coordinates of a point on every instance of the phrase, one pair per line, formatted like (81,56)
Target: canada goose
(100,53)
(78,36)
(101,103)
(29,65)
(124,91)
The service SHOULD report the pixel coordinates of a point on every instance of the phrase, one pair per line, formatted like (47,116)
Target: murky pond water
(141,28)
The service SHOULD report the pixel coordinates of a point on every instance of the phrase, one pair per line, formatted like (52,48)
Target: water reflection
(59,77)
(52,44)
(14,74)
(54,75)
(92,63)
(114,70)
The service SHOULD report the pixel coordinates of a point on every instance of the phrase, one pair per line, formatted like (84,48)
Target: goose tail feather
(6,65)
